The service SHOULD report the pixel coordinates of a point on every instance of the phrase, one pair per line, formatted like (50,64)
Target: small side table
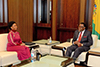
(45,48)
(32,46)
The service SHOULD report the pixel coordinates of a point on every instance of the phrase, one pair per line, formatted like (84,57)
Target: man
(82,41)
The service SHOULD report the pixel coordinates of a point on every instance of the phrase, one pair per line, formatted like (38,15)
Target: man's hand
(76,42)
(79,44)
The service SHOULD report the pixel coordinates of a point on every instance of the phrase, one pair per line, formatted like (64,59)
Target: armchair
(82,56)
(6,57)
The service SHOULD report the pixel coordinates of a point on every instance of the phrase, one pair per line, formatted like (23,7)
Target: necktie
(79,38)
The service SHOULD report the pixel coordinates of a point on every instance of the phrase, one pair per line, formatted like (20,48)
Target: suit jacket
(86,39)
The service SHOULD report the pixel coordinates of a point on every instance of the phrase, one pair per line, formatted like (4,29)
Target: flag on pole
(96,19)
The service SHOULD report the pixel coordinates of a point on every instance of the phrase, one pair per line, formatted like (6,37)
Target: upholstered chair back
(98,43)
(95,39)
(3,41)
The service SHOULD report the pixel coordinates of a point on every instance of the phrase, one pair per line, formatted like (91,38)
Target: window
(3,12)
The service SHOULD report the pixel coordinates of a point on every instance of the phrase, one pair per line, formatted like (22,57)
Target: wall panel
(68,15)
(43,31)
(64,35)
(21,11)
(3,29)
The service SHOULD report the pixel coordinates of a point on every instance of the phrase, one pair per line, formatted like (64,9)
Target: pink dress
(14,42)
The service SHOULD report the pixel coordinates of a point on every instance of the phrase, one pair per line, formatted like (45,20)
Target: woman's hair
(10,24)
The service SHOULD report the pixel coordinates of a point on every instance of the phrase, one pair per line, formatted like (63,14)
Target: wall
(21,11)
(64,18)
(68,15)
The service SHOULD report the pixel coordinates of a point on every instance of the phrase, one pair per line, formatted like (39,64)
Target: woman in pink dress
(15,43)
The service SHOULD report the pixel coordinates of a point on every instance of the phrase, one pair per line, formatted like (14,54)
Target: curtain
(96,19)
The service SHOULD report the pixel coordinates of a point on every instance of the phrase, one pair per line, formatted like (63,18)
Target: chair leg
(63,51)
(86,60)
(10,65)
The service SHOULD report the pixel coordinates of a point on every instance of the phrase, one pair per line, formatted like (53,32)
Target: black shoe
(74,58)
(83,63)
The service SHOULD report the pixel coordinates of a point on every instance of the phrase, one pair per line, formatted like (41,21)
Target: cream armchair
(94,54)
(6,57)
(82,56)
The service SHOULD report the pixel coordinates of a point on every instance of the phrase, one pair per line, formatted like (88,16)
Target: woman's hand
(22,44)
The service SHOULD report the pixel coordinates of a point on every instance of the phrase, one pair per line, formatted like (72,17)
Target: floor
(80,66)
(25,62)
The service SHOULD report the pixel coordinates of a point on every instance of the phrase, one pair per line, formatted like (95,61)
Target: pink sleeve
(10,39)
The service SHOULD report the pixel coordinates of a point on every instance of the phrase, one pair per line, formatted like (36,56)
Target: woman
(15,42)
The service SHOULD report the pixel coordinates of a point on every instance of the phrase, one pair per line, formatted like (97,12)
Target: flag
(96,19)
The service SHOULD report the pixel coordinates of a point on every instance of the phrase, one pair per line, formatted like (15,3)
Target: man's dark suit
(86,40)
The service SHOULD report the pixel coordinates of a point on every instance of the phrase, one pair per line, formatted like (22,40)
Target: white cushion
(65,44)
(3,41)
(7,58)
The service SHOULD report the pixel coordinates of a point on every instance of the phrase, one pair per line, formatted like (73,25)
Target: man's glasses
(81,26)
